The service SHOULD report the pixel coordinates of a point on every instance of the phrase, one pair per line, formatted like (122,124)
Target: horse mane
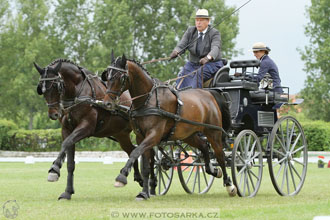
(64,60)
(140,65)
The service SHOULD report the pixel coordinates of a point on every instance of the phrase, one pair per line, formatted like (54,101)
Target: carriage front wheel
(191,170)
(246,163)
(287,159)
(164,169)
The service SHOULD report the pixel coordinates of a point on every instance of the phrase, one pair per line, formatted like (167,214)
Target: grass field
(96,198)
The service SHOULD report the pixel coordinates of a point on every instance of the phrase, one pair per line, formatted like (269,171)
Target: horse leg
(54,171)
(128,147)
(197,142)
(144,195)
(81,131)
(152,139)
(153,178)
(215,138)
(70,166)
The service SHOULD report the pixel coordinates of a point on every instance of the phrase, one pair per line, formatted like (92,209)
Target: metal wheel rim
(164,177)
(247,163)
(194,179)
(288,157)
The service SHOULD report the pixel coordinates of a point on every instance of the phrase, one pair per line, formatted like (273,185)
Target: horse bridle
(123,78)
(59,82)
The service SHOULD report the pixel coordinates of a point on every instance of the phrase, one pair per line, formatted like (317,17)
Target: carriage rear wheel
(287,160)
(164,169)
(191,171)
(246,165)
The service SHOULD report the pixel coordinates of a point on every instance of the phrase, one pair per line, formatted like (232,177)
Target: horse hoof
(65,196)
(142,196)
(232,190)
(121,180)
(219,173)
(52,177)
(119,184)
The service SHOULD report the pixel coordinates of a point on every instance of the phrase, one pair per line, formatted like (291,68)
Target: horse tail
(224,108)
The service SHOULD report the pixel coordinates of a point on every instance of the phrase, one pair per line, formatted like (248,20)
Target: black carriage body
(249,115)
(251,108)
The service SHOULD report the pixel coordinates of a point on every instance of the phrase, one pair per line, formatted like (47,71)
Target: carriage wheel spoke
(284,172)
(280,161)
(251,172)
(166,174)
(199,180)
(298,162)
(280,142)
(256,155)
(298,149)
(240,157)
(279,171)
(247,146)
(162,176)
(244,183)
(252,148)
(291,135)
(295,142)
(292,177)
(240,180)
(189,175)
(287,135)
(194,183)
(242,169)
(251,179)
(205,179)
(295,170)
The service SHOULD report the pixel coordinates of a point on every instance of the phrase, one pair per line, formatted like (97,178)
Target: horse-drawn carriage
(164,117)
(256,135)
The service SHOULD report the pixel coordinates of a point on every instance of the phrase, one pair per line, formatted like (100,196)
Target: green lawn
(96,198)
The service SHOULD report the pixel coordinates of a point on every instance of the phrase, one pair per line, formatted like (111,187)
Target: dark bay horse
(70,92)
(153,102)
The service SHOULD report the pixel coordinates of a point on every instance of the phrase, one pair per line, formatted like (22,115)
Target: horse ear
(40,70)
(112,56)
(57,67)
(123,60)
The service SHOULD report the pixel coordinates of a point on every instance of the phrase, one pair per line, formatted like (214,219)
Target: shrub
(35,140)
(5,127)
(318,135)
(49,140)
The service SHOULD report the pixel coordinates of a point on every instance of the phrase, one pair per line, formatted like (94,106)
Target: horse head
(51,86)
(117,80)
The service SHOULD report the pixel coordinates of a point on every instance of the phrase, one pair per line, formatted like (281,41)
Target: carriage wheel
(163,169)
(287,160)
(192,173)
(246,166)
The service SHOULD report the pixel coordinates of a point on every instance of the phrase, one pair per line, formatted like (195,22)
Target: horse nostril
(108,104)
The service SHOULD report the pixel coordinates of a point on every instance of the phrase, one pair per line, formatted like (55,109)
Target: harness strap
(160,112)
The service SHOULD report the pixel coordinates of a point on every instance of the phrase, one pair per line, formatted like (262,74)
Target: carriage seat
(244,63)
(220,75)
(273,97)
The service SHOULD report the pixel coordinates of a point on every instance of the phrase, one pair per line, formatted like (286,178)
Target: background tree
(317,65)
(85,32)
(24,39)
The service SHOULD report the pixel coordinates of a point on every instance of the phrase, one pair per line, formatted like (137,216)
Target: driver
(206,52)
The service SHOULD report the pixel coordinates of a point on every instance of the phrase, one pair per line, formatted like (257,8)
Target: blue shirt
(267,65)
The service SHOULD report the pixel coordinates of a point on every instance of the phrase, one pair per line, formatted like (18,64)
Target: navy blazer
(267,65)
(211,44)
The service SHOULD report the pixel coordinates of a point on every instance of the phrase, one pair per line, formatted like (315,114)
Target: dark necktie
(199,44)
